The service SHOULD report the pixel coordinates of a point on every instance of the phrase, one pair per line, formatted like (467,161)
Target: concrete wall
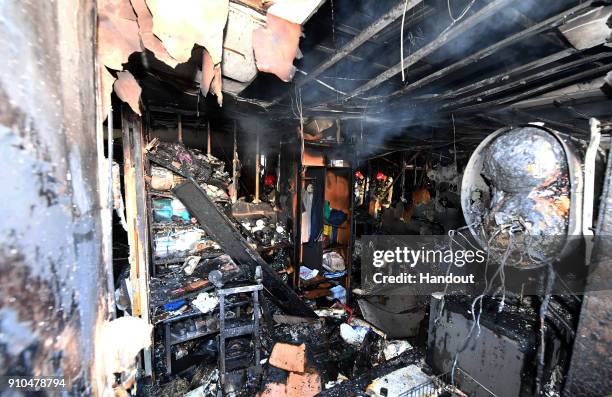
(52,273)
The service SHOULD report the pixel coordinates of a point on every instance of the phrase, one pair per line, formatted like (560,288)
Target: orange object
(303,385)
(420,196)
(289,357)
(276,46)
(194,286)
(274,389)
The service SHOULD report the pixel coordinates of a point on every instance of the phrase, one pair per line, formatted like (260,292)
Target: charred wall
(590,370)
(52,277)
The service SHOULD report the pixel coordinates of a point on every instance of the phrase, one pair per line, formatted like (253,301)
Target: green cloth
(326,211)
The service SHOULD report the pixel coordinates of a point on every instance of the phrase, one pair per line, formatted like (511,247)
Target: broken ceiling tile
(117,39)
(289,357)
(589,29)
(181,25)
(149,40)
(276,46)
(216,85)
(303,385)
(128,90)
(208,72)
(296,11)
(274,389)
(211,78)
(118,8)
(238,58)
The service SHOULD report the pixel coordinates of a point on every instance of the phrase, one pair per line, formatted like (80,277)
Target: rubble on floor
(300,356)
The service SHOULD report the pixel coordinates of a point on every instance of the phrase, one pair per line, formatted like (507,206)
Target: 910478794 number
(32,383)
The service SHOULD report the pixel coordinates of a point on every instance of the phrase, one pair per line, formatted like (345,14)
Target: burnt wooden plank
(487,106)
(218,225)
(136,216)
(548,73)
(508,75)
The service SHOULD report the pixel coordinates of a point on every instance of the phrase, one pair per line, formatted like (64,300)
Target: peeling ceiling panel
(238,58)
(149,40)
(119,8)
(590,29)
(127,89)
(276,46)
(180,25)
(117,39)
(217,84)
(208,72)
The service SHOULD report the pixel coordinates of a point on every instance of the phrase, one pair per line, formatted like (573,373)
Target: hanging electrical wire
(455,20)
(402,40)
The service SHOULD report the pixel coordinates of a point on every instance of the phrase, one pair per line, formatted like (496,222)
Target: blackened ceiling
(499,62)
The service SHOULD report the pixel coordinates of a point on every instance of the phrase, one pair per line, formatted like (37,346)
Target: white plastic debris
(338,292)
(329,312)
(399,382)
(353,335)
(333,261)
(394,348)
(121,340)
(341,378)
(190,264)
(307,273)
(356,321)
(206,302)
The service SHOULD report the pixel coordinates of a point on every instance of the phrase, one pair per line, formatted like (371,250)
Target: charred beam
(549,73)
(217,224)
(443,39)
(548,24)
(498,78)
(579,94)
(526,22)
(351,57)
(136,216)
(539,90)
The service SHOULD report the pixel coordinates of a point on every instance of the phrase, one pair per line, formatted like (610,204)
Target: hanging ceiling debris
(232,35)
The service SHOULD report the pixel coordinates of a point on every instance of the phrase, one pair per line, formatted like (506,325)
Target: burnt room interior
(251,151)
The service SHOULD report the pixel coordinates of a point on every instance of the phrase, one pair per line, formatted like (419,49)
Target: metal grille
(436,385)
